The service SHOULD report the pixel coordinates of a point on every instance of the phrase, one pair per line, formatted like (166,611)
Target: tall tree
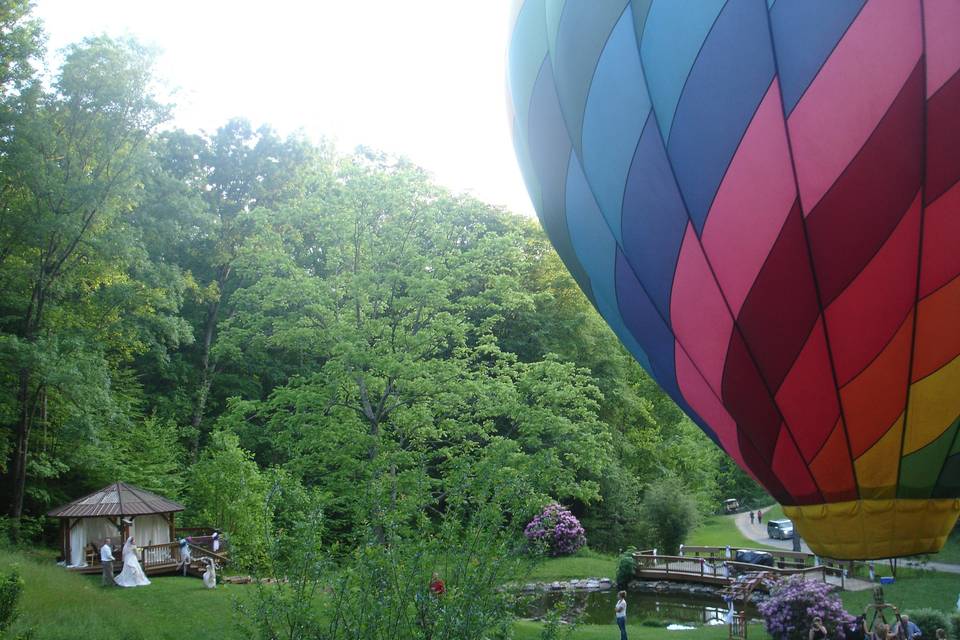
(383,301)
(236,172)
(73,161)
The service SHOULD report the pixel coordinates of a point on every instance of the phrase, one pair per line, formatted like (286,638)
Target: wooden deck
(710,565)
(160,559)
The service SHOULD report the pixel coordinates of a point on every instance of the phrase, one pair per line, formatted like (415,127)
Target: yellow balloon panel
(934,405)
(877,468)
(873,529)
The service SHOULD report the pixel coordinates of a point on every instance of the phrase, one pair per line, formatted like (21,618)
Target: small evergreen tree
(670,513)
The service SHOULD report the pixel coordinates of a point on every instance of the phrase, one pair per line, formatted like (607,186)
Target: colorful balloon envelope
(761,198)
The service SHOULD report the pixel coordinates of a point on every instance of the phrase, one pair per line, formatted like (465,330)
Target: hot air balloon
(761,198)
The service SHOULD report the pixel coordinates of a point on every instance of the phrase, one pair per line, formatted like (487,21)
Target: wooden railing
(783,559)
(162,554)
(678,566)
(157,554)
(182,532)
(721,570)
(197,552)
(206,542)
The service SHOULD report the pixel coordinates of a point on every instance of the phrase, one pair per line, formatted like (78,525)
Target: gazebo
(117,511)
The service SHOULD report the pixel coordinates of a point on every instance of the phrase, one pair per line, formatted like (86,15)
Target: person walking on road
(759,516)
(751,517)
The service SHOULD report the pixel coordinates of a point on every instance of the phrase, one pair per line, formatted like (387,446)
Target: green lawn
(911,590)
(64,605)
(585,564)
(719,531)
(773,513)
(531,631)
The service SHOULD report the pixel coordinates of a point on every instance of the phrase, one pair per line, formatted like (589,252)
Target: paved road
(758,533)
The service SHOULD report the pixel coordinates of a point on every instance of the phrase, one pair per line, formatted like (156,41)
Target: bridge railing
(782,558)
(722,569)
(679,565)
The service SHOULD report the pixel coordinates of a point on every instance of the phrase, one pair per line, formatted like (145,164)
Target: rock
(555,586)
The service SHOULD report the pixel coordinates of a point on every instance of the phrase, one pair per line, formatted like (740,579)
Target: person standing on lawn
(106,561)
(621,611)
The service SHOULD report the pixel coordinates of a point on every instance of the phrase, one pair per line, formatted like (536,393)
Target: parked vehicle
(731,505)
(755,557)
(780,529)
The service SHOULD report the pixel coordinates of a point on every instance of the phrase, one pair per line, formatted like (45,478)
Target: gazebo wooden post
(173,530)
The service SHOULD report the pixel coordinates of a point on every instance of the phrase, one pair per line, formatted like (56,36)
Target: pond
(597,607)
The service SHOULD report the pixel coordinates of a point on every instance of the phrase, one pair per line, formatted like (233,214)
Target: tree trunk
(18,468)
(373,416)
(206,378)
(27,406)
(379,531)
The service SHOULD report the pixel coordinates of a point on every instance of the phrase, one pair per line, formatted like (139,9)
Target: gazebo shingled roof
(117,499)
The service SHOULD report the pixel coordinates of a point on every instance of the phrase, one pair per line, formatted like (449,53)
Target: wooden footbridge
(718,566)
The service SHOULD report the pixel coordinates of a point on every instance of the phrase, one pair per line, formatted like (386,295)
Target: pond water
(597,607)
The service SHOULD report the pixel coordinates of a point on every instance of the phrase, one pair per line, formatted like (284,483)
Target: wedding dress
(132,575)
(210,575)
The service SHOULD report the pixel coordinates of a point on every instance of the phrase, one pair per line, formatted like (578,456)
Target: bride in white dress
(132,575)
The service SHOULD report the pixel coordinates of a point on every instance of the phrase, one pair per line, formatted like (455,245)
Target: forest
(231,316)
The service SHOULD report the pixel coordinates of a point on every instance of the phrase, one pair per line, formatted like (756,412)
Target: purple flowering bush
(557,529)
(793,603)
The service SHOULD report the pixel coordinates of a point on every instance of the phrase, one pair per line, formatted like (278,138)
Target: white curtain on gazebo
(149,530)
(88,530)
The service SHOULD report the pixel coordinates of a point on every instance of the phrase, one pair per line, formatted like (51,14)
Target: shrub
(11,587)
(557,529)
(562,619)
(929,620)
(626,568)
(670,513)
(954,630)
(793,603)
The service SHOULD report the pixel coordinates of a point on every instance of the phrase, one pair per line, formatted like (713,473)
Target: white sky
(420,78)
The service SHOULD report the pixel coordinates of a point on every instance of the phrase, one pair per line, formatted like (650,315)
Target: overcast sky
(421,78)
